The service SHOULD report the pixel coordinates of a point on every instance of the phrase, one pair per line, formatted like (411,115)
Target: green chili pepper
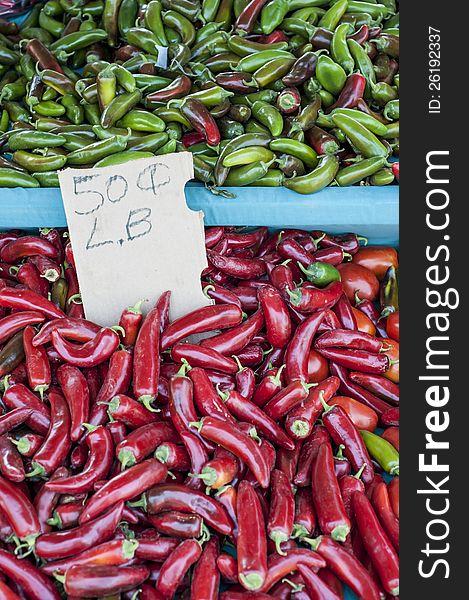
(169,115)
(142,120)
(31,139)
(73,109)
(297,27)
(363,63)
(242,141)
(375,10)
(188,8)
(359,171)
(269,96)
(209,97)
(168,148)
(49,94)
(16,112)
(368,121)
(83,129)
(122,157)
(93,152)
(124,78)
(202,170)
(14,91)
(106,87)
(149,143)
(382,177)
(362,138)
(273,71)
(269,116)
(92,113)
(253,62)
(391,110)
(10,178)
(173,130)
(128,12)
(382,93)
(80,39)
(151,83)
(316,180)
(295,148)
(94,9)
(119,107)
(181,24)
(273,14)
(389,292)
(229,129)
(145,39)
(308,116)
(254,127)
(224,13)
(382,451)
(202,74)
(154,21)
(392,133)
(58,82)
(47,179)
(330,75)
(4,121)
(247,174)
(50,24)
(209,46)
(246,156)
(273,178)
(242,47)
(210,9)
(37,33)
(75,141)
(110,20)
(320,273)
(333,15)
(32,19)
(206,31)
(339,48)
(35,162)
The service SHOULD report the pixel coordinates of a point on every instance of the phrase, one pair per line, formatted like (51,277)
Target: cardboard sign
(134,237)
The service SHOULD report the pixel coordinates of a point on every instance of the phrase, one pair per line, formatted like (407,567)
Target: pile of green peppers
(299,93)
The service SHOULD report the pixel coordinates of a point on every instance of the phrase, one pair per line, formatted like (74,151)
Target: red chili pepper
(19,396)
(346,338)
(7,593)
(368,308)
(248,16)
(390,418)
(245,382)
(48,269)
(291,249)
(281,566)
(221,295)
(57,442)
(27,246)
(124,486)
(236,441)
(206,577)
(301,419)
(241,268)
(99,580)
(379,548)
(201,120)
(351,93)
(333,256)
(151,546)
(173,456)
(296,357)
(78,330)
(116,381)
(37,363)
(322,141)
(31,580)
(228,567)
(281,277)
(74,304)
(282,510)
(30,301)
(357,360)
(305,517)
(45,501)
(176,566)
(395,170)
(247,411)
(6,238)
(308,298)
(19,512)
(13,323)
(177,524)
(90,354)
(11,465)
(277,318)
(213,235)
(30,277)
(66,515)
(384,511)
(252,541)
(99,461)
(234,340)
(287,460)
(220,471)
(308,455)
(29,443)
(315,586)
(287,398)
(378,385)
(141,442)
(205,319)
(198,356)
(130,412)
(147,359)
(12,419)
(343,310)
(327,500)
(130,321)
(75,389)
(268,386)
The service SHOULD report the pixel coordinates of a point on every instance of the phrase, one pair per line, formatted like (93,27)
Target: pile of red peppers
(260,462)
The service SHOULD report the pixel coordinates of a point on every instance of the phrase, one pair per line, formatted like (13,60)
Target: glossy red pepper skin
(357,360)
(281,277)
(19,396)
(282,510)
(177,524)
(173,455)
(343,431)
(209,318)
(30,579)
(369,309)
(147,358)
(48,269)
(78,330)
(11,464)
(377,544)
(287,460)
(178,497)
(19,511)
(268,386)
(29,276)
(128,411)
(305,517)
(66,515)
(221,470)
(176,566)
(228,567)
(206,577)
(221,295)
(248,16)
(344,312)
(241,268)
(351,93)
(207,358)
(286,399)
(296,356)
(333,256)
(301,419)
(124,486)
(307,298)
(57,443)
(390,418)
(328,502)
(62,544)
(75,389)
(281,566)
(293,250)
(382,505)
(234,340)
(99,580)
(378,385)
(315,586)
(12,419)
(201,120)
(252,541)
(13,323)
(355,340)
(99,461)
(37,363)
(276,315)
(27,246)
(74,305)
(246,382)
(46,501)
(349,484)
(240,444)
(7,593)
(117,379)
(247,411)
(30,301)
(89,354)
(130,321)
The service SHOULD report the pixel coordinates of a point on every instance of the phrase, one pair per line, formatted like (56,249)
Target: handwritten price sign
(133,236)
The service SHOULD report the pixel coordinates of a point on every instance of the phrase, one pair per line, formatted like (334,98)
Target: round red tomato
(377,259)
(393,353)
(364,323)
(358,279)
(392,325)
(318,367)
(361,416)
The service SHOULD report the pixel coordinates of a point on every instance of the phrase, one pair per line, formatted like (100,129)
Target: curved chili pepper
(30,301)
(308,455)
(130,412)
(173,456)
(176,566)
(151,546)
(237,338)
(296,357)
(241,268)
(11,464)
(282,510)
(65,515)
(378,385)
(221,295)
(201,119)
(125,485)
(57,442)
(308,298)
(30,579)
(206,576)
(89,354)
(7,593)
(141,442)
(277,318)
(46,501)
(281,566)
(357,360)
(315,586)
(287,460)
(245,379)
(177,524)
(248,16)
(147,359)
(347,338)
(384,511)
(236,441)
(344,312)
(245,410)
(12,419)
(327,500)
(349,484)
(377,544)
(305,517)
(280,404)
(130,321)
(198,356)
(19,512)
(301,419)
(178,88)
(78,330)
(27,246)
(37,363)
(390,418)
(209,318)
(97,466)
(220,471)
(351,93)
(251,541)
(75,389)
(293,250)
(206,398)
(96,580)
(30,277)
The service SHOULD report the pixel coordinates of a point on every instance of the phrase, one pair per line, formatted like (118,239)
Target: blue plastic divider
(369,211)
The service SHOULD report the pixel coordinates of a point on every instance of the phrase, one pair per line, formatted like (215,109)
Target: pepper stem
(146,400)
(340,533)
(313,542)
(238,362)
(38,471)
(128,548)
(204,534)
(295,296)
(89,427)
(360,471)
(60,578)
(118,329)
(185,367)
(223,395)
(357,298)
(76,299)
(277,379)
(253,434)
(50,275)
(196,424)
(300,428)
(299,531)
(251,581)
(326,406)
(162,454)
(296,587)
(206,289)
(340,453)
(142,503)
(136,309)
(362,238)
(278,538)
